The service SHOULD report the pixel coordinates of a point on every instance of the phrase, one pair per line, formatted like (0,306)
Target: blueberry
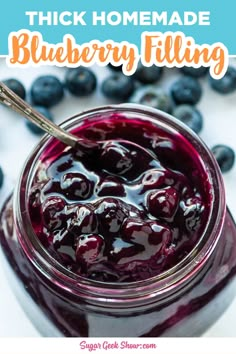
(1,177)
(116,159)
(190,116)
(52,207)
(142,245)
(115,68)
(146,233)
(194,72)
(123,252)
(16,86)
(76,186)
(186,90)
(155,178)
(47,91)
(110,186)
(153,97)
(227,83)
(110,213)
(148,75)
(85,221)
(118,86)
(80,81)
(225,157)
(190,211)
(163,203)
(34,128)
(89,249)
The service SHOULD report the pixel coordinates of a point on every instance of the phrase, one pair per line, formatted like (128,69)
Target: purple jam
(119,213)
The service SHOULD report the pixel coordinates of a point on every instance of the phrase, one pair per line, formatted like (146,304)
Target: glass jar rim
(161,283)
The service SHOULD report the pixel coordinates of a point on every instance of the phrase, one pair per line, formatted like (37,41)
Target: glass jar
(183,301)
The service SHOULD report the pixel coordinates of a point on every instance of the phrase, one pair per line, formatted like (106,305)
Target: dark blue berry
(147,233)
(148,75)
(16,86)
(89,248)
(85,221)
(1,177)
(225,157)
(163,202)
(76,186)
(227,83)
(110,186)
(47,91)
(116,158)
(191,210)
(34,128)
(111,214)
(80,81)
(118,86)
(153,97)
(115,68)
(189,115)
(194,72)
(186,90)
(52,207)
(155,178)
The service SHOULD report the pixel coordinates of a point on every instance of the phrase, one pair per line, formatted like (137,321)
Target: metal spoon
(14,102)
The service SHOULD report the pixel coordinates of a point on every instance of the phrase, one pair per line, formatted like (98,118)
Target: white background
(16,142)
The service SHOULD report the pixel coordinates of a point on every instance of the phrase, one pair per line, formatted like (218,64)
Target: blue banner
(205,22)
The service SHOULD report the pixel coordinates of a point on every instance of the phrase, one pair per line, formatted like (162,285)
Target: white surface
(16,142)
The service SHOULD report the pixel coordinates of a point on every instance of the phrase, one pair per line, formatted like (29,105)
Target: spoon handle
(13,101)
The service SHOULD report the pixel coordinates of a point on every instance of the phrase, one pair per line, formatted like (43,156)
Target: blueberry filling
(116,216)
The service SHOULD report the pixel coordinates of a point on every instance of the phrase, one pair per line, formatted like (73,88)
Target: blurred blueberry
(194,72)
(16,86)
(186,90)
(115,68)
(225,157)
(190,116)
(118,87)
(154,97)
(80,81)
(227,83)
(47,91)
(1,177)
(148,75)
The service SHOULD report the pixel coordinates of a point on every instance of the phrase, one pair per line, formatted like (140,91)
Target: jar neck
(116,292)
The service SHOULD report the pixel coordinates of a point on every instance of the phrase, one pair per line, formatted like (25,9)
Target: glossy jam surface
(120,213)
